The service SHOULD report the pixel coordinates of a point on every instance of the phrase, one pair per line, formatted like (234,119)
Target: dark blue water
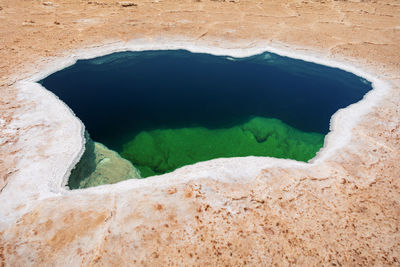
(119,95)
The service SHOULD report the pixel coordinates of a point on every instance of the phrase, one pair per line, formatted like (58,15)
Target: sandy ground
(342,210)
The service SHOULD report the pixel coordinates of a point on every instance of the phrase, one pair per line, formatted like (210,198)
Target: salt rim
(334,140)
(231,170)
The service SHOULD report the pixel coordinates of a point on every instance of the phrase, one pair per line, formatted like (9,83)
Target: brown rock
(304,216)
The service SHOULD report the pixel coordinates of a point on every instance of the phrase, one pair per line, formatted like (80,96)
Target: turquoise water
(165,109)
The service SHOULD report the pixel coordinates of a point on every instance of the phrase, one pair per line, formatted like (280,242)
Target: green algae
(164,150)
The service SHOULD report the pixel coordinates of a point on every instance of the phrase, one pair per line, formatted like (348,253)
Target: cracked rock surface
(342,210)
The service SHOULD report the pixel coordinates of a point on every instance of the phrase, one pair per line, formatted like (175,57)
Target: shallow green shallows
(160,151)
(164,150)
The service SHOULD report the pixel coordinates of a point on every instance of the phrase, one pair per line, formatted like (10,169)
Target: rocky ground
(343,210)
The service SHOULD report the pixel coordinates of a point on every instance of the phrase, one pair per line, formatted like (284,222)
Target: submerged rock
(100,165)
(160,151)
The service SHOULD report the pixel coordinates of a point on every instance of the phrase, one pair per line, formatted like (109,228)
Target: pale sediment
(99,165)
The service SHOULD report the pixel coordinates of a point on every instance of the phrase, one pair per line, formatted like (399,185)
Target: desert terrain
(343,209)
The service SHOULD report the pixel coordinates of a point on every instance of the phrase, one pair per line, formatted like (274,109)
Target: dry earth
(343,211)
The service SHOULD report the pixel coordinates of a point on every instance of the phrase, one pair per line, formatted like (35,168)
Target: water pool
(165,109)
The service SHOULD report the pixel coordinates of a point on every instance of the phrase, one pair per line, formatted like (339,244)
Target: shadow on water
(86,166)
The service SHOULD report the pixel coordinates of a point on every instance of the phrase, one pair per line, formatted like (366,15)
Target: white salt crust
(39,178)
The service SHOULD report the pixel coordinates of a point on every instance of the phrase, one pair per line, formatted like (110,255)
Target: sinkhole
(150,112)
